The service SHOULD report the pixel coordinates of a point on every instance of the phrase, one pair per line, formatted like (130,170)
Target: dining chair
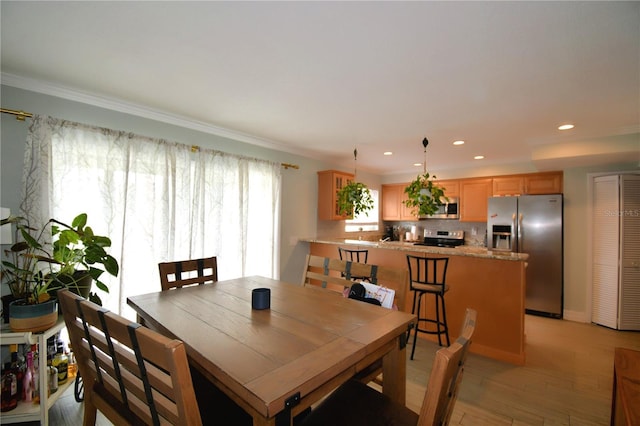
(358,256)
(132,374)
(355,403)
(328,273)
(187,272)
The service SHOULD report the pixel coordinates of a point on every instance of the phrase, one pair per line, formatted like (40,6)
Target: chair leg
(438,321)
(444,320)
(415,334)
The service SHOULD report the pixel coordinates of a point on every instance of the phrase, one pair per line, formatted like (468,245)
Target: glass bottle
(17,367)
(27,383)
(9,395)
(61,362)
(36,374)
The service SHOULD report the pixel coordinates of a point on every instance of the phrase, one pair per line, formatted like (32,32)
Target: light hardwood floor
(567,380)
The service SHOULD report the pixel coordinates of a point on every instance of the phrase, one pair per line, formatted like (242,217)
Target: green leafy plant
(354,198)
(424,196)
(75,254)
(20,270)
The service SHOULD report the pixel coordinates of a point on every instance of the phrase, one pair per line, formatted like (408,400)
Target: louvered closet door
(629,316)
(605,251)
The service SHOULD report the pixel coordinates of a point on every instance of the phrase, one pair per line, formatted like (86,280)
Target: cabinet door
(543,183)
(474,195)
(406,213)
(451,187)
(512,185)
(391,199)
(329,183)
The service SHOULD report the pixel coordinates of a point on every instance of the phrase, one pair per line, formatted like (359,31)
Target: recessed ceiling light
(388,153)
(417,164)
(458,143)
(478,157)
(566,127)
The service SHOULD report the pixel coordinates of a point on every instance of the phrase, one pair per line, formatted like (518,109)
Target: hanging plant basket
(354,198)
(424,196)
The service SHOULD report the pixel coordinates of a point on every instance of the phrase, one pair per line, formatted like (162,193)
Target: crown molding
(118,105)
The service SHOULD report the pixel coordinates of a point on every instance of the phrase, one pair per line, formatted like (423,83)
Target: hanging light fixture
(424,196)
(354,197)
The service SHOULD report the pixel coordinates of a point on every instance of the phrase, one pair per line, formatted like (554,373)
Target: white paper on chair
(383,294)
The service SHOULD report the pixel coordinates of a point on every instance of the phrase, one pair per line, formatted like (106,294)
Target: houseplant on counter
(424,196)
(74,258)
(354,197)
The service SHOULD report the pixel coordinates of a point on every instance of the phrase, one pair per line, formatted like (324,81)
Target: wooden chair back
(327,273)
(446,376)
(187,272)
(133,375)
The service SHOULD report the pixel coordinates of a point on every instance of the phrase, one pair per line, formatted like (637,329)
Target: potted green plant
(424,196)
(74,259)
(79,257)
(29,307)
(354,198)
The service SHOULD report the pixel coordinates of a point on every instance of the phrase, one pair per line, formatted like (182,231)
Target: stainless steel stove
(442,238)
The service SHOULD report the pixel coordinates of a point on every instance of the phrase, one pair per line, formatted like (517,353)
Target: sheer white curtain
(157,201)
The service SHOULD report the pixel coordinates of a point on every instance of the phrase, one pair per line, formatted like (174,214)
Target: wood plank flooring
(567,380)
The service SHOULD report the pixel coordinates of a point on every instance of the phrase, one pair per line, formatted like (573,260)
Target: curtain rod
(20,115)
(287,166)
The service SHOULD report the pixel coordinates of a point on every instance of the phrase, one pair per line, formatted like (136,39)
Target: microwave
(447,210)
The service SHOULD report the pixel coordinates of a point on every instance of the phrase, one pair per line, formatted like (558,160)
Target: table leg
(394,372)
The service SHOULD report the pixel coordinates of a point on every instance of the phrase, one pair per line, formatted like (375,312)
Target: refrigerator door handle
(520,237)
(513,247)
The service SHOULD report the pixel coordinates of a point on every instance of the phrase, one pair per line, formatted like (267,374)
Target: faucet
(385,239)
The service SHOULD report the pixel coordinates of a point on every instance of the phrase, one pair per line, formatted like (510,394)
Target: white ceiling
(322,78)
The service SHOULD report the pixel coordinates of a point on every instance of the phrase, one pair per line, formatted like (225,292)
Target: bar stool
(428,275)
(358,256)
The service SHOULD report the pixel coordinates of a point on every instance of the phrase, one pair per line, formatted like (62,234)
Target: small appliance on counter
(442,238)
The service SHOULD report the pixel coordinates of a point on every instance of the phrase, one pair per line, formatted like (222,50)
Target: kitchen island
(491,282)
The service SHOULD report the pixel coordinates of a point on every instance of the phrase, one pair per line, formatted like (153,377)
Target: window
(364,221)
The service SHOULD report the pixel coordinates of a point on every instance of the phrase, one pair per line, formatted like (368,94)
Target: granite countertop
(472,251)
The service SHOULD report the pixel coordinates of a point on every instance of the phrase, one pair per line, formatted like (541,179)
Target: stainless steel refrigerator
(532,224)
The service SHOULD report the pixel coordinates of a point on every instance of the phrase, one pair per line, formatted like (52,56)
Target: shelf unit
(25,411)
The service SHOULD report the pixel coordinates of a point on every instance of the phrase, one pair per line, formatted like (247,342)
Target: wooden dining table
(275,363)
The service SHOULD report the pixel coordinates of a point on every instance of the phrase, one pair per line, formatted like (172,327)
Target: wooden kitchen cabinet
(329,183)
(528,184)
(393,208)
(543,183)
(451,187)
(474,196)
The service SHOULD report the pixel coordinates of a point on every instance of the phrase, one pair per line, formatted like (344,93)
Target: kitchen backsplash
(474,232)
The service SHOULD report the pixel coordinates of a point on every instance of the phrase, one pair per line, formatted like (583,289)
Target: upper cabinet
(393,207)
(528,184)
(329,183)
(474,196)
(451,187)
(543,183)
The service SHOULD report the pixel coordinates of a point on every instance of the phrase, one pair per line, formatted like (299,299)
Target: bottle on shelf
(18,368)
(53,378)
(27,383)
(72,370)
(35,362)
(61,362)
(9,394)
